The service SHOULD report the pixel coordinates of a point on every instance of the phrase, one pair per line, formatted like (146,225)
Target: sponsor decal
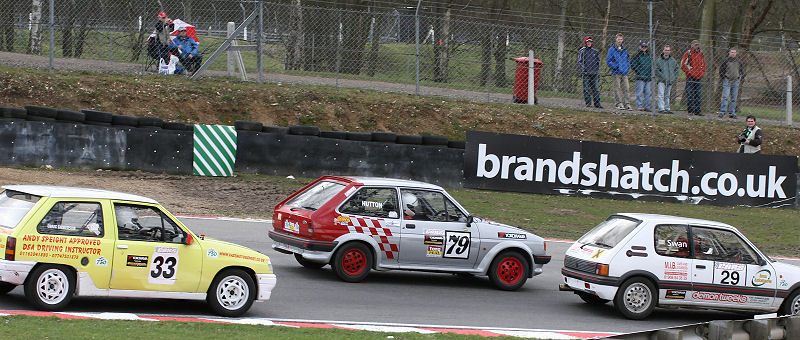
(761,278)
(677,244)
(349,191)
(783,283)
(291,226)
(674,270)
(434,251)
(457,244)
(518,236)
(761,300)
(720,297)
(434,237)
(675,294)
(730,266)
(101,262)
(435,232)
(212,253)
(244,257)
(598,253)
(373,205)
(137,261)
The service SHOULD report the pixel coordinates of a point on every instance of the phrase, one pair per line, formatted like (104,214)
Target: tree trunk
(602,46)
(84,29)
(441,45)
(295,39)
(355,31)
(750,24)
(35,44)
(560,52)
(486,55)
(375,44)
(7,22)
(68,13)
(707,27)
(500,57)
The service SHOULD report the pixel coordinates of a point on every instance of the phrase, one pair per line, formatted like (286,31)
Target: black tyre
(123,120)
(333,134)
(304,130)
(150,121)
(231,293)
(41,111)
(281,130)
(14,112)
(247,125)
(50,287)
(178,126)
(385,137)
(409,139)
(70,116)
(591,298)
(308,264)
(6,287)
(352,262)
(97,116)
(509,270)
(791,306)
(636,298)
(434,140)
(359,136)
(40,118)
(457,144)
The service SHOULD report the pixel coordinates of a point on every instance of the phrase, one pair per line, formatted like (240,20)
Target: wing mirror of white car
(470,219)
(392,214)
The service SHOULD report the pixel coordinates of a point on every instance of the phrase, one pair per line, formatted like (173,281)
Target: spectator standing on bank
(750,139)
(693,64)
(589,64)
(642,65)
(731,73)
(619,61)
(666,74)
(164,28)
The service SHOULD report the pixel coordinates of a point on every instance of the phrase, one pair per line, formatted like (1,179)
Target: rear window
(609,233)
(316,195)
(13,207)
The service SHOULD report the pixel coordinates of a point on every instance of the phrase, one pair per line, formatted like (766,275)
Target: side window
(426,205)
(83,219)
(453,213)
(672,240)
(145,223)
(721,245)
(372,202)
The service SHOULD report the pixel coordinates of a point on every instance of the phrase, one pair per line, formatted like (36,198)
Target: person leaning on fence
(188,51)
(750,139)
(164,28)
(666,73)
(642,65)
(589,64)
(619,61)
(732,73)
(693,64)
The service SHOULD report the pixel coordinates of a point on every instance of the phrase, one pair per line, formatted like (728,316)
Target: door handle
(700,266)
(122,246)
(410,226)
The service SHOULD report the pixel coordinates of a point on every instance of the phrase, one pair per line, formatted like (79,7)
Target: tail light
(311,228)
(11,247)
(545,245)
(602,269)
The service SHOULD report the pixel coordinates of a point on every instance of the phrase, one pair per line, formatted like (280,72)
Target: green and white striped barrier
(214,150)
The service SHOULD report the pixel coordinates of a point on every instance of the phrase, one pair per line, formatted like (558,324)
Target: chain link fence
(459,50)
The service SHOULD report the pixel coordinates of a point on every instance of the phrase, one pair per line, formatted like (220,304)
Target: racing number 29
(730,275)
(457,244)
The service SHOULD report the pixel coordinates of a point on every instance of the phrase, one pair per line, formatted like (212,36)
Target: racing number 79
(459,242)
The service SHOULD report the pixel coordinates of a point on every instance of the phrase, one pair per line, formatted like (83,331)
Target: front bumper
(15,272)
(266,283)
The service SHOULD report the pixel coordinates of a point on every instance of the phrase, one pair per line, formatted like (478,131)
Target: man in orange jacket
(694,65)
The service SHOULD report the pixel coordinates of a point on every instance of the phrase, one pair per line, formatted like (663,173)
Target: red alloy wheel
(354,262)
(510,270)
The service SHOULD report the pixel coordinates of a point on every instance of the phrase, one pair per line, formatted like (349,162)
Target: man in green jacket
(641,65)
(666,74)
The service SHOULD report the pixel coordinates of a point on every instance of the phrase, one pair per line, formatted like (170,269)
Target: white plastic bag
(167,68)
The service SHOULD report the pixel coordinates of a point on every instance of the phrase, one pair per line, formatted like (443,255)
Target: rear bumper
(541,259)
(603,287)
(266,283)
(15,272)
(302,243)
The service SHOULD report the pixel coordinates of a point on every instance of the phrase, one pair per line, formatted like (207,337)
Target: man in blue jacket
(619,61)
(188,51)
(589,64)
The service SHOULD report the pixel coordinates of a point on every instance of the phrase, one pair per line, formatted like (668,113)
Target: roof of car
(74,192)
(657,218)
(395,182)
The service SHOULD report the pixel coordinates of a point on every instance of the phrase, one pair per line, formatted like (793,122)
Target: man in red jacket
(694,65)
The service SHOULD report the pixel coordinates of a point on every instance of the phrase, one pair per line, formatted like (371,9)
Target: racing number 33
(457,244)
(164,268)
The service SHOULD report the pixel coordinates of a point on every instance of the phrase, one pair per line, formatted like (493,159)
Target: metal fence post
(259,43)
(789,100)
(111,46)
(231,56)
(531,79)
(489,69)
(338,47)
(416,36)
(52,36)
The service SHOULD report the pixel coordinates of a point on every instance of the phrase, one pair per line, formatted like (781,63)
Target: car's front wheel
(50,287)
(509,270)
(636,298)
(352,262)
(791,306)
(308,264)
(591,298)
(231,293)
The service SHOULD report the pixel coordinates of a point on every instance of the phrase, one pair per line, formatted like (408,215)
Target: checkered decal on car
(376,227)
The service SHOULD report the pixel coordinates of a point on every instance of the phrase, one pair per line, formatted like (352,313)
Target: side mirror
(392,214)
(470,219)
(188,240)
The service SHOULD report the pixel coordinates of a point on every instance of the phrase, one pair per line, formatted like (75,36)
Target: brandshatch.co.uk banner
(506,162)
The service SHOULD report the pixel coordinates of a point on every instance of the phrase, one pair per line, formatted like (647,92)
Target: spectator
(693,64)
(642,65)
(666,74)
(589,64)
(619,62)
(731,73)
(187,51)
(750,139)
(164,28)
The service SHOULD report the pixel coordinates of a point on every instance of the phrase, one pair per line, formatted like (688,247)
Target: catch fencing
(457,48)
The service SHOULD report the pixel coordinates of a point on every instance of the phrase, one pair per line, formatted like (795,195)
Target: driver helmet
(127,218)
(409,202)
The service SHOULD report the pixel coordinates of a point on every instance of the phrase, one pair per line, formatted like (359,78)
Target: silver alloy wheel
(638,297)
(232,292)
(52,286)
(795,310)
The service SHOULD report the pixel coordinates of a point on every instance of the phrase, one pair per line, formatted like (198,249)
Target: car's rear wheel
(591,298)
(50,287)
(636,298)
(231,293)
(509,270)
(6,287)
(791,306)
(352,262)
(306,263)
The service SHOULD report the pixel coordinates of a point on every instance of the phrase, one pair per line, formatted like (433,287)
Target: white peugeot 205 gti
(642,261)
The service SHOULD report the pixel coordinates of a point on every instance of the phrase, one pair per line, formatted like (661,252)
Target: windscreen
(609,233)
(13,207)
(316,195)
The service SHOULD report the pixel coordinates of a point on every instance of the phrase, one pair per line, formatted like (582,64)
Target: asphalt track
(399,297)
